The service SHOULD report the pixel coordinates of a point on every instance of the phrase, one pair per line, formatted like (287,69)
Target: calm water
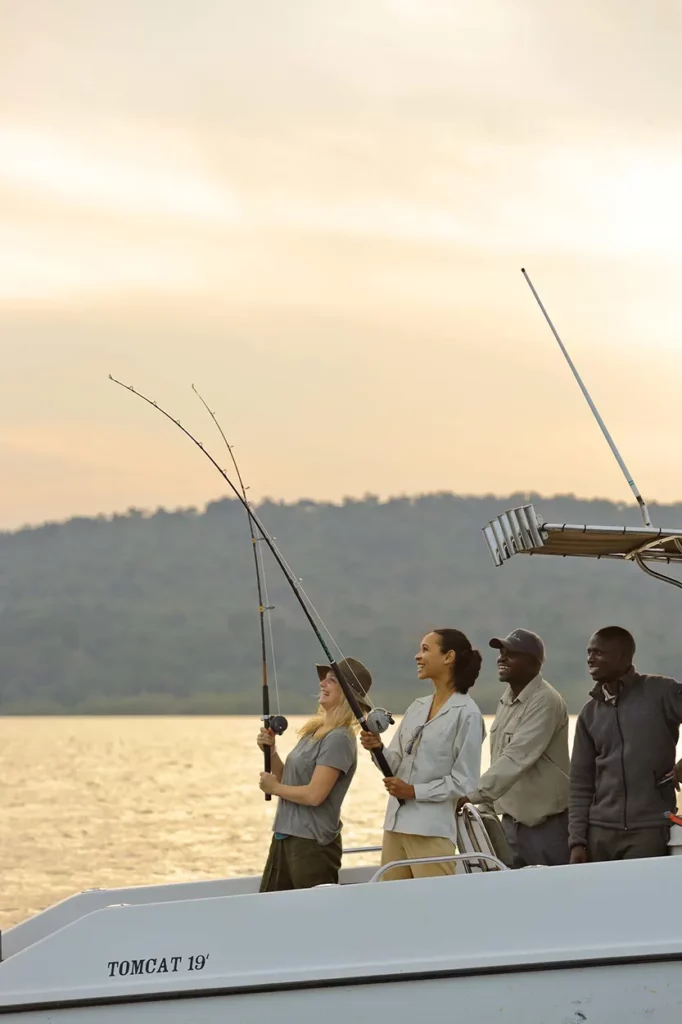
(105,802)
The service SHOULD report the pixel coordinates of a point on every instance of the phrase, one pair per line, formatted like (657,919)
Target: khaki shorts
(402,846)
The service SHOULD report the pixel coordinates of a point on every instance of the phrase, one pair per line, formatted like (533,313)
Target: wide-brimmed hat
(355,674)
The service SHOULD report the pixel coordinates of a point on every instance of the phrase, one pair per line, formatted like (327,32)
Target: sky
(317,212)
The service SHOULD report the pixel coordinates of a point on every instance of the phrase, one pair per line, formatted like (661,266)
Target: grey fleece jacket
(622,748)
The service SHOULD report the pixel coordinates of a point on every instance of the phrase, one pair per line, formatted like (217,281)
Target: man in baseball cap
(527,782)
(521,641)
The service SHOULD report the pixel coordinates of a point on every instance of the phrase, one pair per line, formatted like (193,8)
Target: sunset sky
(317,212)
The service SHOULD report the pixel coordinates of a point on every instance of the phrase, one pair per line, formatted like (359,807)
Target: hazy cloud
(309,199)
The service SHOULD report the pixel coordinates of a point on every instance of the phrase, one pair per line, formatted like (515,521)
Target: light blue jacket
(441,759)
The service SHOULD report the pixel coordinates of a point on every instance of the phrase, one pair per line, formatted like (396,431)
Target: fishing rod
(277,723)
(624,469)
(370,725)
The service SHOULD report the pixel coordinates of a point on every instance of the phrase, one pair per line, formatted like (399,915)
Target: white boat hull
(599,943)
(594,995)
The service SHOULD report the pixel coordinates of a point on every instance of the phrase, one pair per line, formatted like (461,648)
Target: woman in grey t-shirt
(311,785)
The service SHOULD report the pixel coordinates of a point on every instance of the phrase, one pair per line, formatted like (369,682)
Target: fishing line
(268,607)
(378,756)
(276,723)
(261,576)
(265,608)
(378,719)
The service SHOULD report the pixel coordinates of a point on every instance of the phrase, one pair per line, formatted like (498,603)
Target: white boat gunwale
(561,918)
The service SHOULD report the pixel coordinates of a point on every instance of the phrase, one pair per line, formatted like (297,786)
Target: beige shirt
(529,763)
(441,758)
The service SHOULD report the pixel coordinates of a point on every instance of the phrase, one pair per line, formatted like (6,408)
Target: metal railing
(438,860)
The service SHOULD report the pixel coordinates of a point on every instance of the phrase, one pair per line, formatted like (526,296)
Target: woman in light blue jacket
(435,756)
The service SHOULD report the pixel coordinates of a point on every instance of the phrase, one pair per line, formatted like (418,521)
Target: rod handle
(383,764)
(267,762)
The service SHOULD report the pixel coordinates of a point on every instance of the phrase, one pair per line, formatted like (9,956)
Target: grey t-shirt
(338,749)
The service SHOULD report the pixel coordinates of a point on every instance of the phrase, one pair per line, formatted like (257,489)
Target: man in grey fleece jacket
(623,771)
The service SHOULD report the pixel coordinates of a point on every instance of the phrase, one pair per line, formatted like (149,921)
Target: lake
(107,802)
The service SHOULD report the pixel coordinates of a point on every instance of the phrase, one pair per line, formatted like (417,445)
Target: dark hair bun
(467,669)
(467,660)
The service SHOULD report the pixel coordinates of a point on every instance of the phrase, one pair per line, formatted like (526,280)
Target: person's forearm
(578,818)
(297,794)
(583,781)
(500,777)
(490,788)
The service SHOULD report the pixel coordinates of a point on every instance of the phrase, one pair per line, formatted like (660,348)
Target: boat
(598,943)
(559,945)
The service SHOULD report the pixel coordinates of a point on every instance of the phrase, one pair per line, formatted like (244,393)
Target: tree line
(157,612)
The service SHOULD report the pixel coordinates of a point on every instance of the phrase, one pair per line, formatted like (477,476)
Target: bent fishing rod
(378,756)
(277,723)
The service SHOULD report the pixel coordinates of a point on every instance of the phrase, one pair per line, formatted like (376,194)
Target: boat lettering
(155,965)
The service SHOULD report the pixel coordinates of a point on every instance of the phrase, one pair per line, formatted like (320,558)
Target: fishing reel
(277,723)
(378,720)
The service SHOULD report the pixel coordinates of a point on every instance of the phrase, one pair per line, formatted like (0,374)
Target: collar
(455,700)
(527,692)
(611,694)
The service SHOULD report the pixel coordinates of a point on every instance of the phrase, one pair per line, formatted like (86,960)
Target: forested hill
(157,613)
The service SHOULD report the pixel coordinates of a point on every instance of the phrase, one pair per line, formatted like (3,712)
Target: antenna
(626,472)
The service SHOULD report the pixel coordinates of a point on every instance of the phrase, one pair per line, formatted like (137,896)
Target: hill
(157,612)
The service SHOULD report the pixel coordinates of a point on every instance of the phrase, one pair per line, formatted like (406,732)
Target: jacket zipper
(622,766)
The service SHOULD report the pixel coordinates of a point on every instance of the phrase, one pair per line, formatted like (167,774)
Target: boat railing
(451,858)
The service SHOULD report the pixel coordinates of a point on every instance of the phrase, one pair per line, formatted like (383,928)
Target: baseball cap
(521,641)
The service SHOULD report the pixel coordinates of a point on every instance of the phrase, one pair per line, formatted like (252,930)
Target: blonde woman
(435,756)
(311,785)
